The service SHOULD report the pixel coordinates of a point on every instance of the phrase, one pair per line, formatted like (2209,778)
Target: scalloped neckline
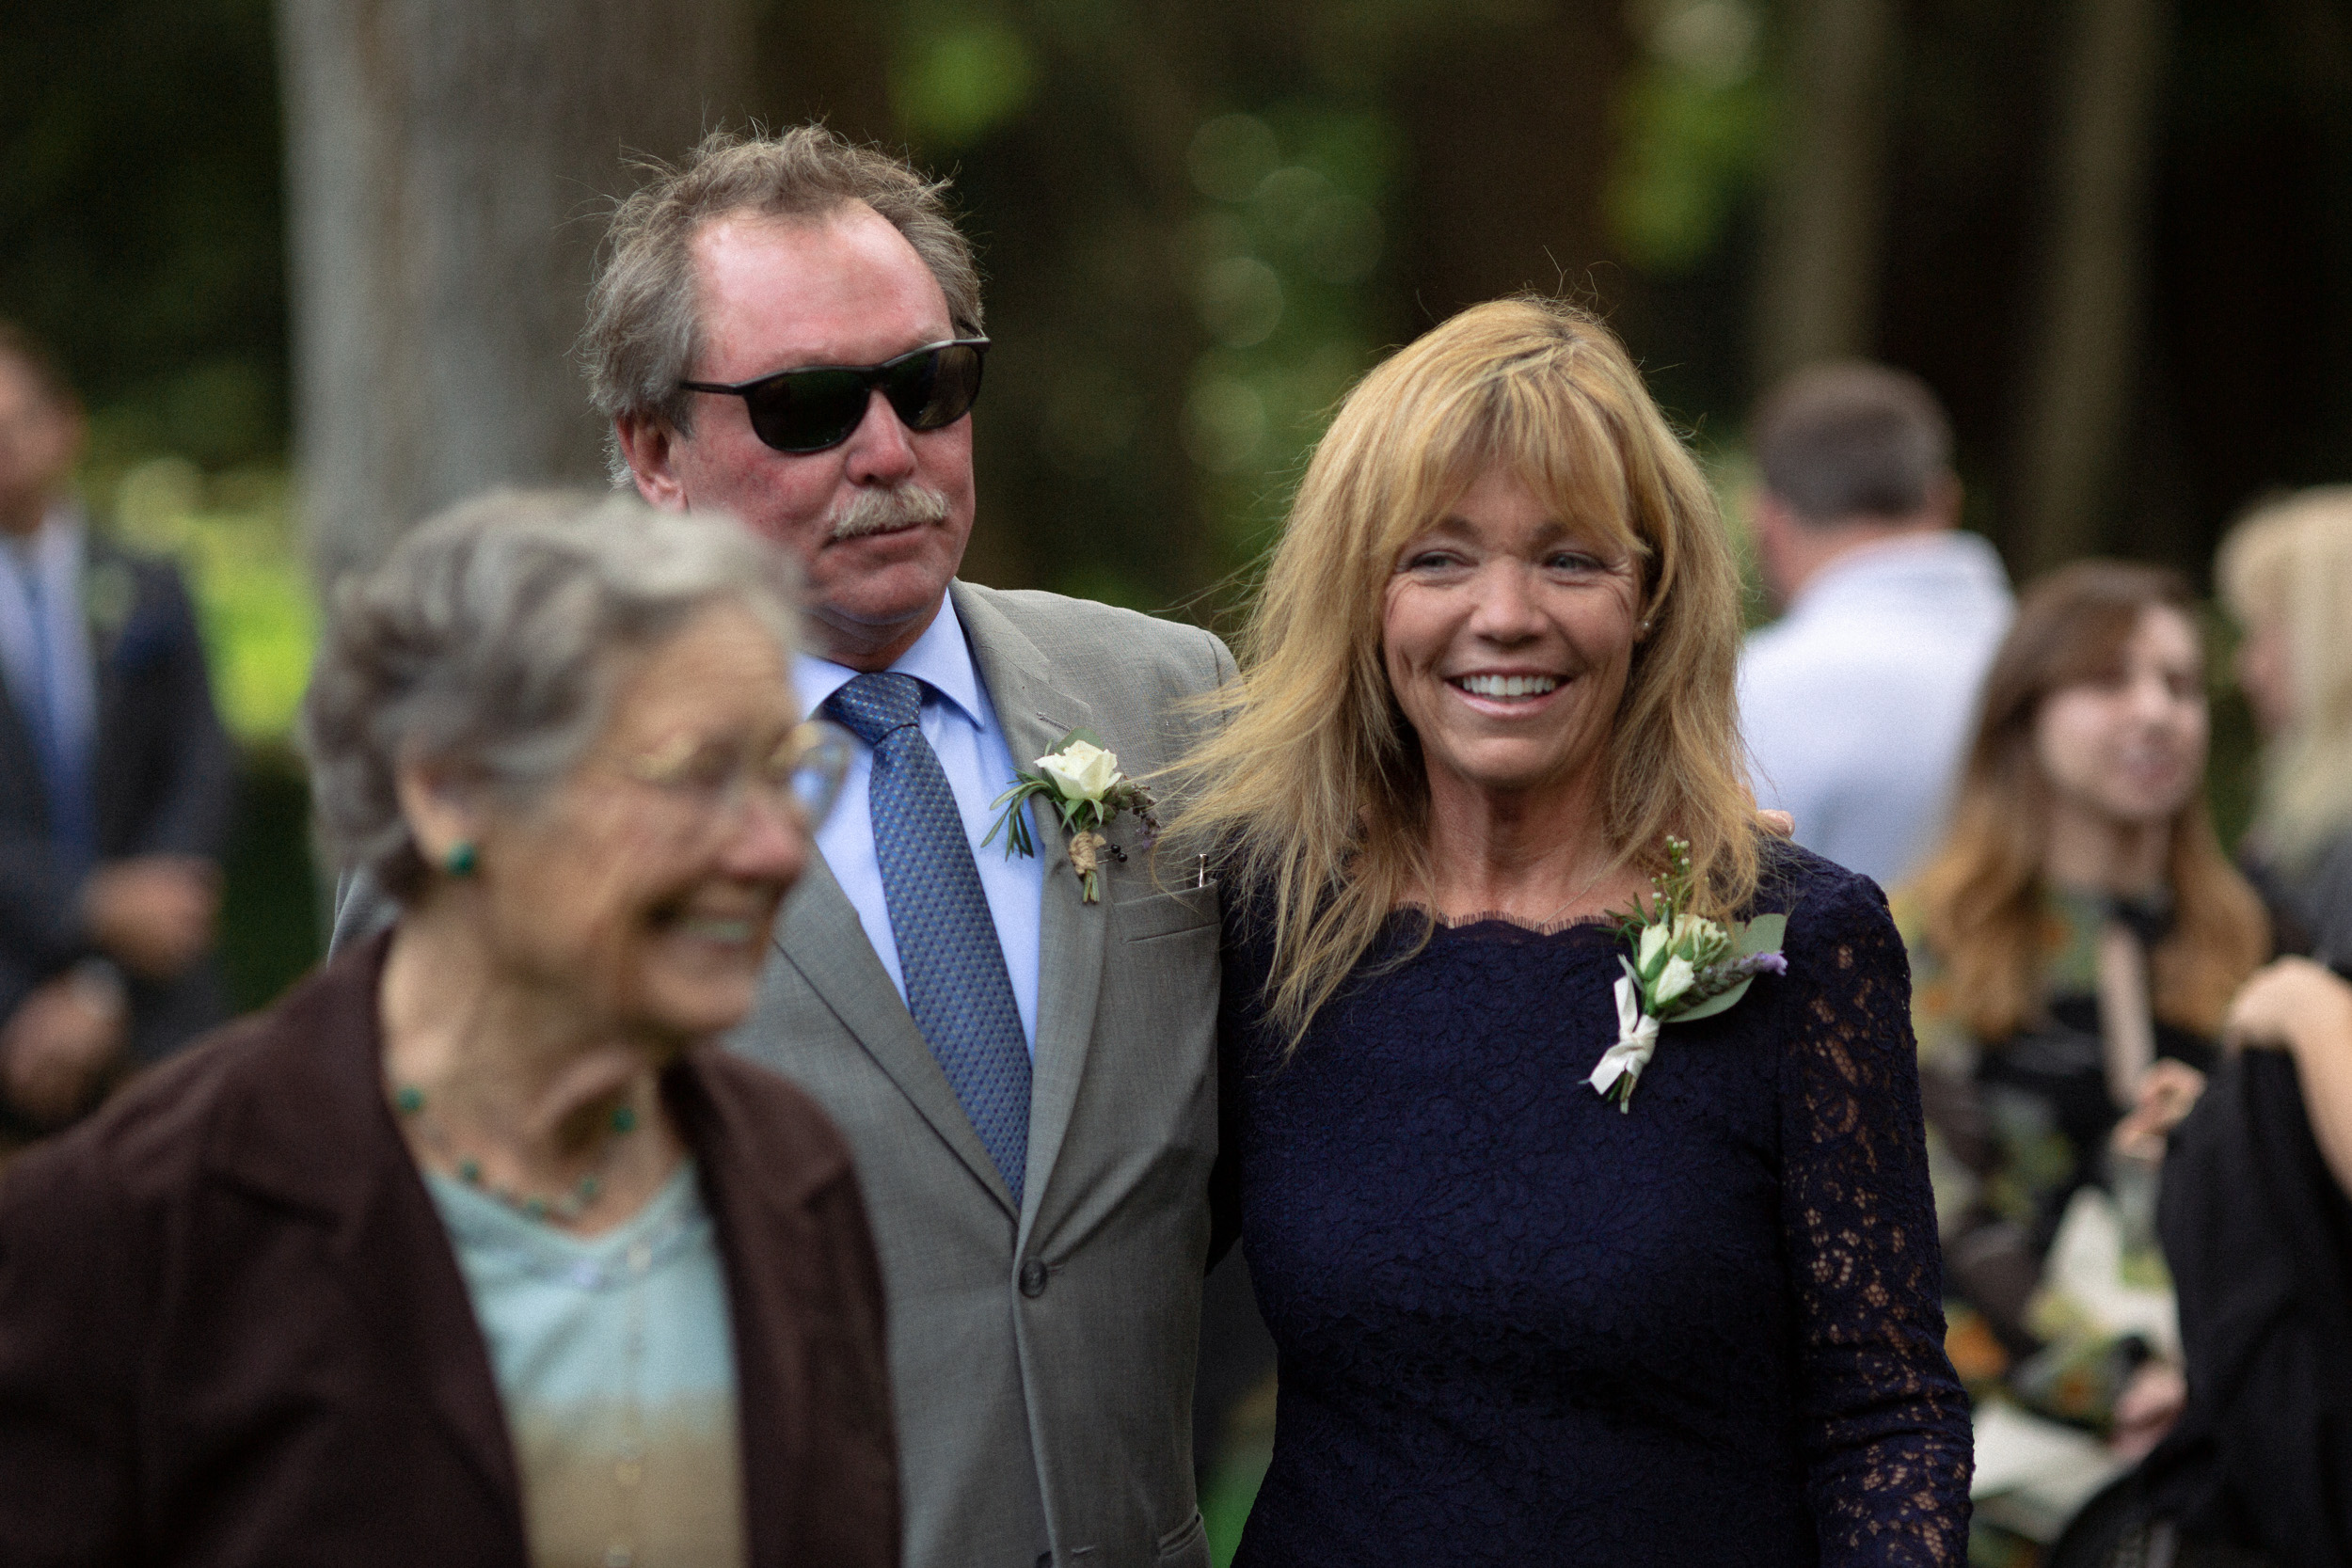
(1496,917)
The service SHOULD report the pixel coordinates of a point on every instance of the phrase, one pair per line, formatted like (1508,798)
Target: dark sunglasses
(817,405)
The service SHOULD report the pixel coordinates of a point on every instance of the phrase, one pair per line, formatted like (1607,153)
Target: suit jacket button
(1032,1278)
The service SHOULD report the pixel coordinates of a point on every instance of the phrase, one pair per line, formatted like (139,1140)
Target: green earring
(460,860)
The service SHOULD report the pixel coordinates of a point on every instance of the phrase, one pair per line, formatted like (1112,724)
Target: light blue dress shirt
(1858,704)
(54,557)
(959,722)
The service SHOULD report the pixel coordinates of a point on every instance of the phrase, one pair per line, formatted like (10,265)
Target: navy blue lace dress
(1518,1326)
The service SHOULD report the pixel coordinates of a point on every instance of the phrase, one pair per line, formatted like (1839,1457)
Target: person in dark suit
(115,783)
(477,1248)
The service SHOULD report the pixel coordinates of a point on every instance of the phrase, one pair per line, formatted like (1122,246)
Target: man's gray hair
(1851,441)
(644,321)
(487,640)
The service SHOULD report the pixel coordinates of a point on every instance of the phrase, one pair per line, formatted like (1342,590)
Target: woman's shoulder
(1841,946)
(1817,894)
(1845,1018)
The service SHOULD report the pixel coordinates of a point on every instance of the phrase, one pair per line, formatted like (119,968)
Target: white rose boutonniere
(1085,785)
(1081,770)
(1683,967)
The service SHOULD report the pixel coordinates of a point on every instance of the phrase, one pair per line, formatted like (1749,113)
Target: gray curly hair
(487,638)
(645,322)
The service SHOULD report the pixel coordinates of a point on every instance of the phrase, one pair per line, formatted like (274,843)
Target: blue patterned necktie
(948,955)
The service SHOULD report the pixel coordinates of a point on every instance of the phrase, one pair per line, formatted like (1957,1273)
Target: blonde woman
(1490,674)
(2286,575)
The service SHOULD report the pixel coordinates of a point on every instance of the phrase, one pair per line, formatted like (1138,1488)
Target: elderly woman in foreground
(1582,1239)
(473,1249)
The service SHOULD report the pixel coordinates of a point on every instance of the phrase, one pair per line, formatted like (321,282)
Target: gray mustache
(883,510)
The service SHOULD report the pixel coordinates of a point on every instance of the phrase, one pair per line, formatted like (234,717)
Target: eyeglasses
(715,780)
(818,406)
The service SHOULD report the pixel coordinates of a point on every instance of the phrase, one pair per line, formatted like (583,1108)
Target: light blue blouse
(616,1369)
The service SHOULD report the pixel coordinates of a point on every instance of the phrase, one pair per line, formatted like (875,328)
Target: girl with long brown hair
(2076,940)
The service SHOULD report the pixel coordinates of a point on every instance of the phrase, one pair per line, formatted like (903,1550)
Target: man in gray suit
(789,329)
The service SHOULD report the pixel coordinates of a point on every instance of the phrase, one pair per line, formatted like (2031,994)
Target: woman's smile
(733,922)
(1516,693)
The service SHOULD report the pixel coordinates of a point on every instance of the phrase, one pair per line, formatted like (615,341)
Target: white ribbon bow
(1637,1037)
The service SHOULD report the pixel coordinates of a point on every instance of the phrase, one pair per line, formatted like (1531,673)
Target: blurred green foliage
(1277,260)
(960,75)
(139,191)
(234,535)
(1695,118)
(271,899)
(139,198)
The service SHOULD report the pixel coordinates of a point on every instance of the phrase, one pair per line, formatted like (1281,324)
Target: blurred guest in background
(116,782)
(2295,1006)
(2257,1224)
(476,1248)
(2073,943)
(2287,573)
(1490,672)
(1856,702)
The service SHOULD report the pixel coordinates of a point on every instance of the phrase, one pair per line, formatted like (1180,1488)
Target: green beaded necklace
(564,1207)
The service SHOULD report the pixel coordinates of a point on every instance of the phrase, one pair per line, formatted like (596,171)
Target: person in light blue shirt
(1857,702)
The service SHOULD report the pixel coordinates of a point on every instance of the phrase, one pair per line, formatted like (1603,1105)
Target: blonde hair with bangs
(1314,789)
(2289,563)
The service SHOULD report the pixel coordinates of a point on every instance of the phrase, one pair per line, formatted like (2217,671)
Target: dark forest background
(1201,221)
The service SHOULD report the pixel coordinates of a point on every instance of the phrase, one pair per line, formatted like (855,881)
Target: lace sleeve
(1885,1424)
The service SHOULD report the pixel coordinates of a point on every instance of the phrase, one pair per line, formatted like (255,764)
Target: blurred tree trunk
(447,165)
(2080,377)
(2318,39)
(1820,272)
(1511,135)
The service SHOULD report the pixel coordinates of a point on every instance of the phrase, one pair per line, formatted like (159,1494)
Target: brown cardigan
(232,1330)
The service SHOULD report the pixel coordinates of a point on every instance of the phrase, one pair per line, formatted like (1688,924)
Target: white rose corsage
(1086,786)
(1683,967)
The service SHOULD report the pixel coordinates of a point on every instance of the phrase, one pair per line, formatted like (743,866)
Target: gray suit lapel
(1035,716)
(820,937)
